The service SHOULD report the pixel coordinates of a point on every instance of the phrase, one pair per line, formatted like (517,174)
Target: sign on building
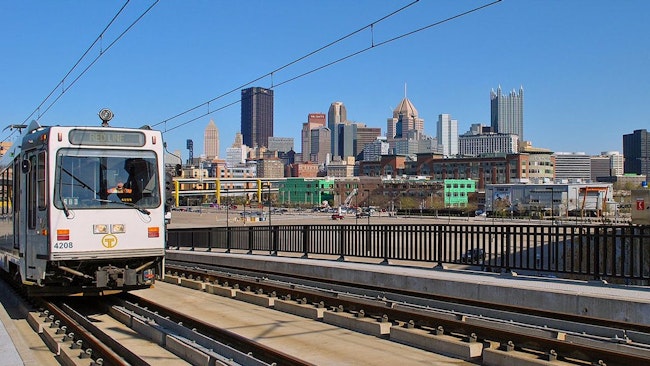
(641,206)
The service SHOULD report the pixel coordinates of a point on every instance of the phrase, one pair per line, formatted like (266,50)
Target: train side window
(41,174)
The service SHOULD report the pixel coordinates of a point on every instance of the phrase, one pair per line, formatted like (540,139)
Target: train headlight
(118,229)
(100,229)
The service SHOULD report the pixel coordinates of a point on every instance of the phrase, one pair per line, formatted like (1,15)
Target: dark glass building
(256,116)
(507,112)
(636,151)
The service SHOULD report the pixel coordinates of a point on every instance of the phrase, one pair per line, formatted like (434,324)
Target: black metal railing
(614,253)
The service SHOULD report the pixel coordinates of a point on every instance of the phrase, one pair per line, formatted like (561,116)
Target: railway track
(71,326)
(529,333)
(68,328)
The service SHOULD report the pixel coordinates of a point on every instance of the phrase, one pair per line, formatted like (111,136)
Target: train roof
(36,129)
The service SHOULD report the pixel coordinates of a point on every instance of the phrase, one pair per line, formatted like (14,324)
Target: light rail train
(82,209)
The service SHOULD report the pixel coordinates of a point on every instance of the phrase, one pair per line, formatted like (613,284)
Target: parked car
(363,214)
(337,216)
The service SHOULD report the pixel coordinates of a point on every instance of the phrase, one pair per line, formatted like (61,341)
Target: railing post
(596,238)
(305,241)
(385,243)
(438,244)
(274,239)
(341,243)
(250,240)
(228,246)
(508,244)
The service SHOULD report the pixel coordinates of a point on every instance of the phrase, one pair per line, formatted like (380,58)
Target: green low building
(306,191)
(456,191)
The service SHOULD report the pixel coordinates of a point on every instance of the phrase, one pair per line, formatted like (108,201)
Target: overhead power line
(301,58)
(311,71)
(102,52)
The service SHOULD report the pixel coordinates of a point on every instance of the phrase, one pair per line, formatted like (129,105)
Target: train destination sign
(106,138)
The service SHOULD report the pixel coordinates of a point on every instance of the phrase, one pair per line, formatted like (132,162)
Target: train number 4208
(63,245)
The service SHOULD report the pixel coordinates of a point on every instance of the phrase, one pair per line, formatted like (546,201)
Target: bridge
(201,186)
(617,254)
(597,273)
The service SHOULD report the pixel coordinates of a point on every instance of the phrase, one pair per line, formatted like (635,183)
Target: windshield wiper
(143,210)
(66,211)
(83,184)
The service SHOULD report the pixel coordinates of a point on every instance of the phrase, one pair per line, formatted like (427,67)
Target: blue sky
(584,65)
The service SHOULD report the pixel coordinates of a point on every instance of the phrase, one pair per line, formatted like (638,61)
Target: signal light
(169,189)
(153,232)
(63,234)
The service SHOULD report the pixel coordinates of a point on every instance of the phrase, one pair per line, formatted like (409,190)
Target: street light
(552,203)
(270,230)
(368,203)
(356,214)
(227,222)
(269,199)
(227,210)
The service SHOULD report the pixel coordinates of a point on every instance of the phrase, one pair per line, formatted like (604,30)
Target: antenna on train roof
(15,127)
(106,115)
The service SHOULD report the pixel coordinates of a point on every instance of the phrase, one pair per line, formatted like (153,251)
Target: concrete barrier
(186,352)
(252,298)
(443,344)
(193,284)
(220,290)
(364,325)
(304,310)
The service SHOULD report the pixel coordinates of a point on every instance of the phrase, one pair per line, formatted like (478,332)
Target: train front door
(35,225)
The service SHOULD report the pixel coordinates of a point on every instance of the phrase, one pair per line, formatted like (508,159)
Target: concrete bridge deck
(629,304)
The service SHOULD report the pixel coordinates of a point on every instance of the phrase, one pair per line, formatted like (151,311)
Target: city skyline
(586,80)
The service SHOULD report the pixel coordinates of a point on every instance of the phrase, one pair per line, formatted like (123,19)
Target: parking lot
(210,216)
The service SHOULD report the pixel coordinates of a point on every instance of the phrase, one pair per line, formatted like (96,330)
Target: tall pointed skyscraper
(257,116)
(336,115)
(507,112)
(211,141)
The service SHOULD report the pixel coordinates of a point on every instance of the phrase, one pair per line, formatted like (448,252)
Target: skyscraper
(507,112)
(336,115)
(448,134)
(321,140)
(405,118)
(211,141)
(256,116)
(365,135)
(636,150)
(314,121)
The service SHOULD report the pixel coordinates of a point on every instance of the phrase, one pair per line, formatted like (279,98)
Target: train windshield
(87,178)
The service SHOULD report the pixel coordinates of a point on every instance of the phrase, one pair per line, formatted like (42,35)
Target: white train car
(82,209)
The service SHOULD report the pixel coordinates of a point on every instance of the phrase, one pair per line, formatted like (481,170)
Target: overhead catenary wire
(326,65)
(102,53)
(271,73)
(61,83)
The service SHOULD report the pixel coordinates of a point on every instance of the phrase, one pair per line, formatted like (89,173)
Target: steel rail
(234,340)
(457,325)
(84,333)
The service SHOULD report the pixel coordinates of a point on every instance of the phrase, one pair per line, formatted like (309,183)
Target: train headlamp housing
(106,229)
(118,229)
(100,229)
